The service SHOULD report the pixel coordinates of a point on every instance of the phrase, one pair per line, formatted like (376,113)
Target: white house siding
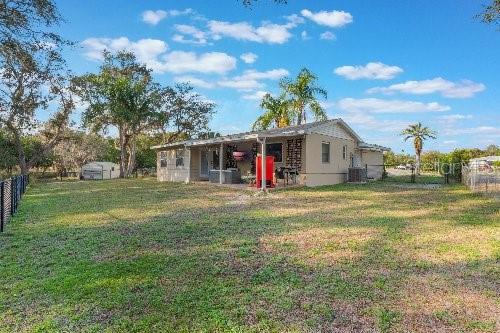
(172,172)
(373,161)
(100,170)
(319,173)
(335,130)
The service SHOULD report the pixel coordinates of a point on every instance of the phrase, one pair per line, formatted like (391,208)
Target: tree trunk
(131,157)
(123,151)
(302,114)
(417,163)
(21,157)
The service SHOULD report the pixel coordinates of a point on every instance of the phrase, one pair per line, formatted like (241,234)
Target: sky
(385,64)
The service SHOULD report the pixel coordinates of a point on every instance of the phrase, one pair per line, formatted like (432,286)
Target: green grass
(143,256)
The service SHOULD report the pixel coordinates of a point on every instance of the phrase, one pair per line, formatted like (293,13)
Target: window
(276,150)
(179,157)
(163,159)
(325,152)
(344,152)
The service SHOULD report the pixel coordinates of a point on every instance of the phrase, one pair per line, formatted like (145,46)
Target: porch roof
(254,135)
(372,147)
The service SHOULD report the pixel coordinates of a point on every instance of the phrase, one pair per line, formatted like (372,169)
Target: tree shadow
(171,264)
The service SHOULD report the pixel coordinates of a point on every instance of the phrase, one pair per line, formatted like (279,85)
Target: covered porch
(234,162)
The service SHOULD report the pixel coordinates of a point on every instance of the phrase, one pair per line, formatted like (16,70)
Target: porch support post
(263,160)
(221,160)
(189,165)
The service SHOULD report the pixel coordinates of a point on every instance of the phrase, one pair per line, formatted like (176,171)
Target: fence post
(12,196)
(2,204)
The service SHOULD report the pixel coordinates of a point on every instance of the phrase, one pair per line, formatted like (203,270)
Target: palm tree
(419,133)
(277,113)
(303,91)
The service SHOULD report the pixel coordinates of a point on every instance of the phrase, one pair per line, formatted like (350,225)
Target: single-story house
(100,170)
(321,153)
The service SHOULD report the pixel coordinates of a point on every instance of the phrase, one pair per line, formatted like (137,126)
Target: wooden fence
(11,192)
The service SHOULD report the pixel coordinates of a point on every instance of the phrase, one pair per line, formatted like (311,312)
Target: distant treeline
(77,149)
(431,160)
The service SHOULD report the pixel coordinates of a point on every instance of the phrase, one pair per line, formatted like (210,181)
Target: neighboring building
(321,152)
(483,163)
(100,170)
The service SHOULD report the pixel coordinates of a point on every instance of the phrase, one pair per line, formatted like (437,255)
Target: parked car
(401,167)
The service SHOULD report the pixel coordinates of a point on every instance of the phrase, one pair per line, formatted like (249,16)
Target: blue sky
(385,64)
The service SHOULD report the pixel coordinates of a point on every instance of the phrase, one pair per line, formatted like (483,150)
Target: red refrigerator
(269,171)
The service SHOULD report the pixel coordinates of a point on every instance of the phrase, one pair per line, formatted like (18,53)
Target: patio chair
(281,174)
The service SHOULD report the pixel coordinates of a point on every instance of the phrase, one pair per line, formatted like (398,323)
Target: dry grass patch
(326,245)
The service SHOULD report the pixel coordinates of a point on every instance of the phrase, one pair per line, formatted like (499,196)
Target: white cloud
(210,62)
(327,35)
(197,36)
(332,19)
(240,84)
(176,12)
(152,52)
(153,17)
(294,20)
(461,89)
(375,105)
(194,81)
(490,131)
(304,35)
(250,79)
(247,81)
(273,74)
(249,57)
(368,121)
(258,95)
(267,33)
(371,71)
(451,118)
(146,50)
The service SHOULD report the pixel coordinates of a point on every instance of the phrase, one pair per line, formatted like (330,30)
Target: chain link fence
(484,179)
(11,192)
(430,173)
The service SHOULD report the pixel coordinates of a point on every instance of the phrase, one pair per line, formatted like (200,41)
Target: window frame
(325,143)
(179,158)
(269,154)
(163,159)
(344,152)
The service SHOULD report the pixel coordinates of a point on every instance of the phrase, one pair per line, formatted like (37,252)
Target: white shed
(100,170)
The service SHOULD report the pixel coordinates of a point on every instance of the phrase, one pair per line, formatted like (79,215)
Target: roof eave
(254,136)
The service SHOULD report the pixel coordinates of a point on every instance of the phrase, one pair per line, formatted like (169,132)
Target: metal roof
(486,159)
(99,164)
(253,135)
(369,146)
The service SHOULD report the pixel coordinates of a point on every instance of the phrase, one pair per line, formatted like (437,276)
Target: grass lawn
(143,256)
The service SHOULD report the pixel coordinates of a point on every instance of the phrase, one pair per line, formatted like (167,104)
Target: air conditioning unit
(356,175)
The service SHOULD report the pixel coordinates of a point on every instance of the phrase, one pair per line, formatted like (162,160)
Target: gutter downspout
(263,160)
